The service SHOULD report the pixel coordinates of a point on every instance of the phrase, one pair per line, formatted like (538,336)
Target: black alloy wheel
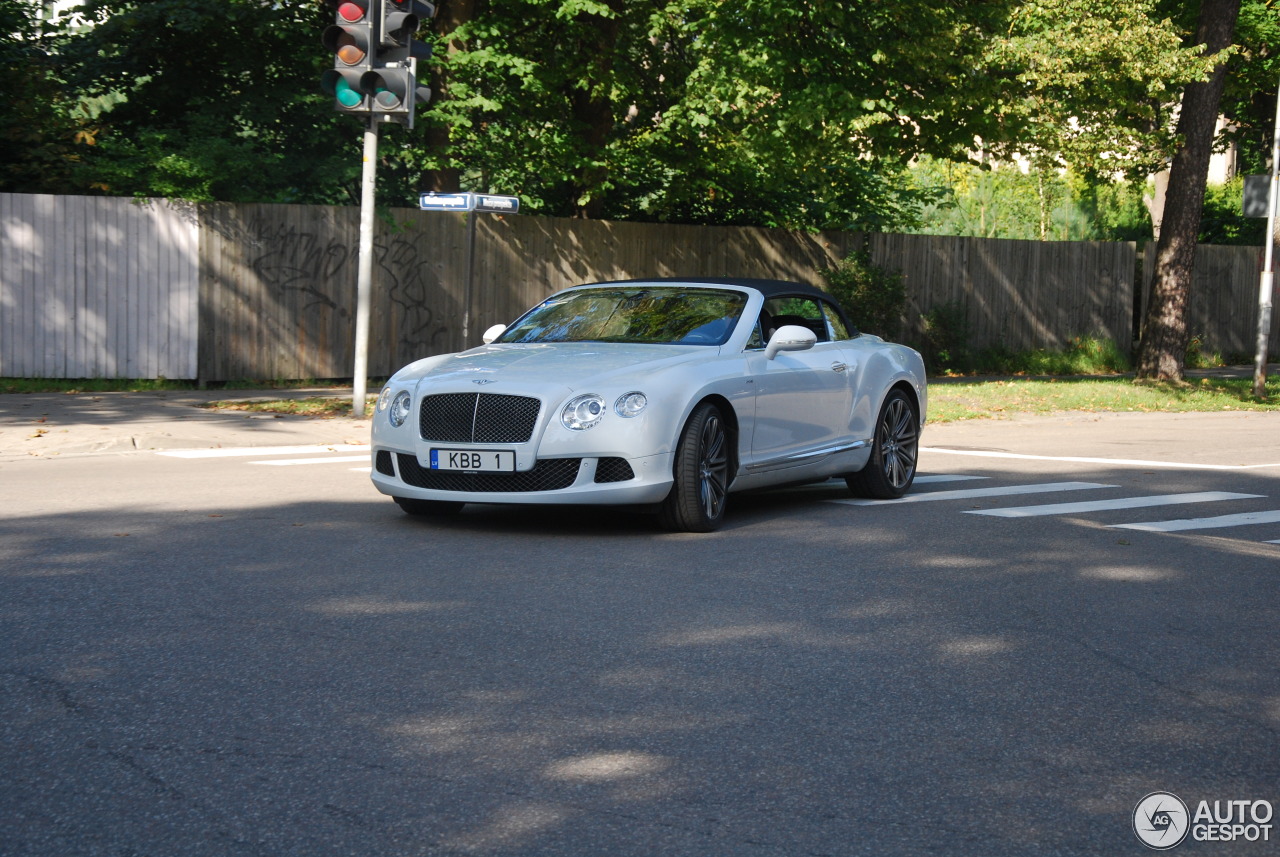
(696,503)
(892,466)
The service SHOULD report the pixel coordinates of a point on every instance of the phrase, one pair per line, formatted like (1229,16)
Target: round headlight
(582,412)
(630,404)
(400,406)
(384,399)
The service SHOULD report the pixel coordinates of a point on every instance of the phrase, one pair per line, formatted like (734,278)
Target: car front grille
(549,474)
(383,463)
(613,470)
(478,418)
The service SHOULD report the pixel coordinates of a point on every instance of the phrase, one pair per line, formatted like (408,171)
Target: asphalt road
(220,655)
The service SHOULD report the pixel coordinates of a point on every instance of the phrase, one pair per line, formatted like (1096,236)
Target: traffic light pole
(364,274)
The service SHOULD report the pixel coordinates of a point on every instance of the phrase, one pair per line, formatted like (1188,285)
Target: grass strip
(997,399)
(326,407)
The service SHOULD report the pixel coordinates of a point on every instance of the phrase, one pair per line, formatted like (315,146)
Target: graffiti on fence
(296,260)
(413,287)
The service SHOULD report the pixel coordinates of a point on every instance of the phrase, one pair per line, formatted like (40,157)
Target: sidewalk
(48,424)
(53,424)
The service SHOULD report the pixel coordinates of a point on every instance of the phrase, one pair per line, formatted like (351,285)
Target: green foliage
(40,135)
(1084,355)
(1223,221)
(1093,83)
(874,298)
(947,333)
(1249,101)
(799,115)
(1038,205)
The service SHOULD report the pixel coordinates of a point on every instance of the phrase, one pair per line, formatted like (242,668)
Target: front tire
(892,467)
(427,508)
(697,500)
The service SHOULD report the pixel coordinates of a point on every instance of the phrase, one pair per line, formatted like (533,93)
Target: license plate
(484,461)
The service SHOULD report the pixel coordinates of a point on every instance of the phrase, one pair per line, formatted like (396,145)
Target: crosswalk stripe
(1109,505)
(333,459)
(227,452)
(1219,522)
(943,477)
(1126,462)
(976,493)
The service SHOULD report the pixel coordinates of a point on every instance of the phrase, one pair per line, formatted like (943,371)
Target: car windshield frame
(639,314)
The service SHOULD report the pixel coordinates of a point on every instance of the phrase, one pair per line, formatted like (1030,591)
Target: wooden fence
(108,287)
(1223,315)
(93,287)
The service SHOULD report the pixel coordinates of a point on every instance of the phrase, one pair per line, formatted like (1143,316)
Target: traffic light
(392,83)
(351,39)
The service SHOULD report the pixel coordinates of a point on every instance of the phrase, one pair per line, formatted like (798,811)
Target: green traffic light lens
(387,99)
(347,96)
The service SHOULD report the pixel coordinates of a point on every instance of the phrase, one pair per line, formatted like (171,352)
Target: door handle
(839,367)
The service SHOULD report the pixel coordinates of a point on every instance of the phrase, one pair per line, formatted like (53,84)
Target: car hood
(520,367)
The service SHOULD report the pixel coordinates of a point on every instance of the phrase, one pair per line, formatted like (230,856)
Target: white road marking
(1219,522)
(838,483)
(1108,505)
(228,452)
(335,459)
(975,493)
(1119,462)
(929,480)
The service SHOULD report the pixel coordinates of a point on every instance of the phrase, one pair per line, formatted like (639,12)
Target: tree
(1162,353)
(703,111)
(210,100)
(41,136)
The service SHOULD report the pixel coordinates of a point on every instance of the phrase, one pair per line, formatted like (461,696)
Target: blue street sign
(469,202)
(497,204)
(447,202)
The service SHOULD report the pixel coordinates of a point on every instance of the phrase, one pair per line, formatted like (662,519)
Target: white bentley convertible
(669,394)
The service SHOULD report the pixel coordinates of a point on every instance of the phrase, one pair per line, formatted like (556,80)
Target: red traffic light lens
(351,12)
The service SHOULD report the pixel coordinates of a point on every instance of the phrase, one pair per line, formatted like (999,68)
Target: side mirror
(493,333)
(790,337)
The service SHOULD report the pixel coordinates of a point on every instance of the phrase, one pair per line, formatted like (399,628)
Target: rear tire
(892,467)
(428,508)
(697,500)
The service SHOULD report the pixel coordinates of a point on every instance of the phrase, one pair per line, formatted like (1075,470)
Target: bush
(946,333)
(874,298)
(1084,355)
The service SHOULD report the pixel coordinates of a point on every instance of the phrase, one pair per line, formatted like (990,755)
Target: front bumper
(551,481)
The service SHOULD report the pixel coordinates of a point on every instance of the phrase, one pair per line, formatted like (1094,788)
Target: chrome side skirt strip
(805,457)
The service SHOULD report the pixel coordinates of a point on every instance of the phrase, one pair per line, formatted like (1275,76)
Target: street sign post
(469,204)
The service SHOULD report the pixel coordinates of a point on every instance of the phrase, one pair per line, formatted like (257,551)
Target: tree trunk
(450,14)
(1162,354)
(592,108)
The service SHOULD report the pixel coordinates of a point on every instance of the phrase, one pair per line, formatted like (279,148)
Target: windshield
(650,314)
